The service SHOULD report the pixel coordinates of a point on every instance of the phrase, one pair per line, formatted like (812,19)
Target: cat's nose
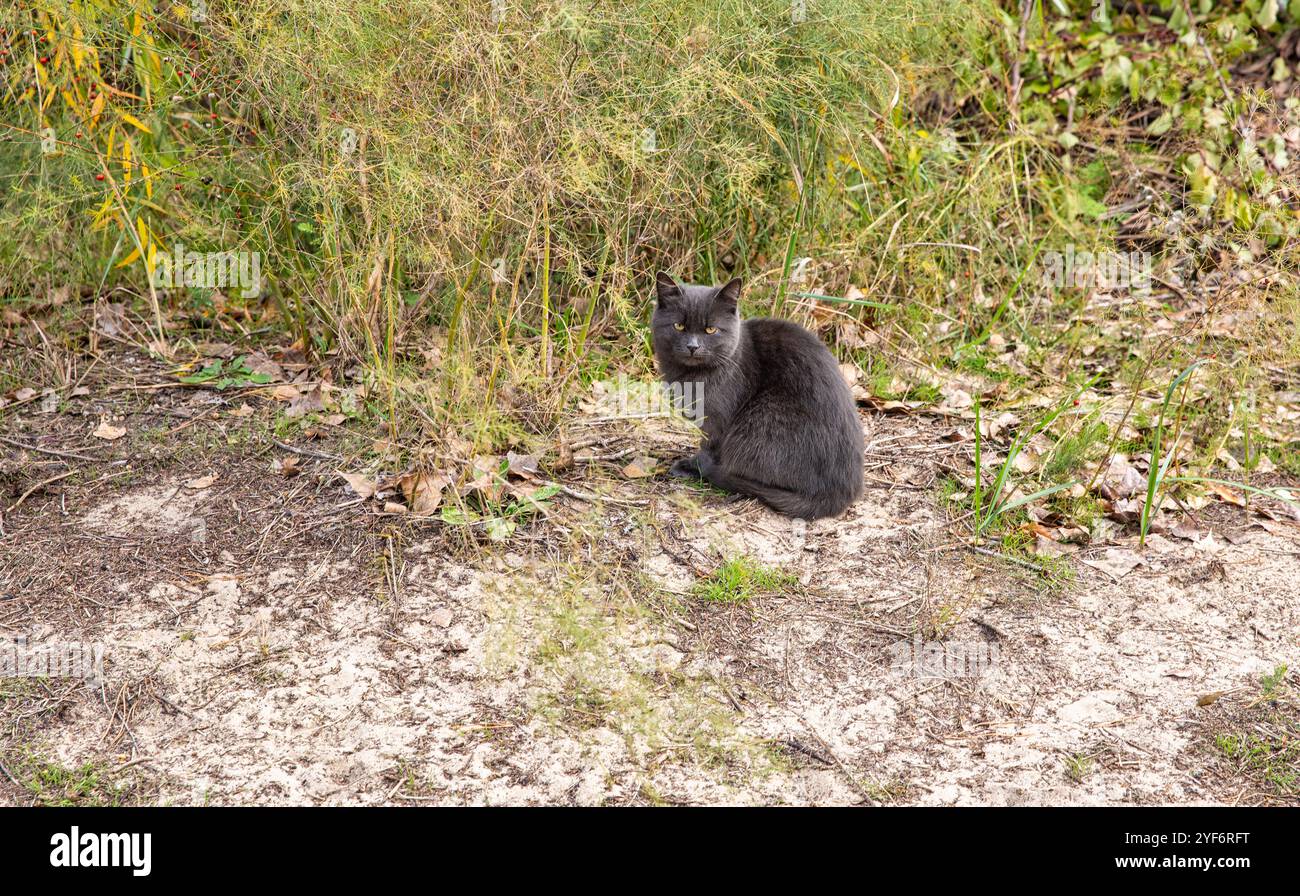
(693,346)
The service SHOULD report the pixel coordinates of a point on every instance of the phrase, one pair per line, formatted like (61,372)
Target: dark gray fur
(779,422)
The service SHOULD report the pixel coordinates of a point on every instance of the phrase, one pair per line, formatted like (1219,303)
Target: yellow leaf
(153,205)
(135,253)
(131,119)
(98,221)
(148,181)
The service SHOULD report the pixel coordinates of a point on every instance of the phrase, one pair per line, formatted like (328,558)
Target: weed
(740,580)
(1078,767)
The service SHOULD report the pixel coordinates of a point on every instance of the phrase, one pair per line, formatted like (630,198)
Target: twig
(49,451)
(1016,560)
(27,494)
(307,452)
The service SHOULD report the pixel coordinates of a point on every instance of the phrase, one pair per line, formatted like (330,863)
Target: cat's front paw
(685,468)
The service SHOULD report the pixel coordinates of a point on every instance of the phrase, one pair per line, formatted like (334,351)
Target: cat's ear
(666,289)
(728,297)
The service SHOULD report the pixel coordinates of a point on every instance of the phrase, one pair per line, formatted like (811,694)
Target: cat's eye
(710,330)
(679,327)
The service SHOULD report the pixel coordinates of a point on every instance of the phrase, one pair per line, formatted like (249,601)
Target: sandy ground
(269,641)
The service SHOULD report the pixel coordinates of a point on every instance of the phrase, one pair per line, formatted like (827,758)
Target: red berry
(78,133)
(44,60)
(99,177)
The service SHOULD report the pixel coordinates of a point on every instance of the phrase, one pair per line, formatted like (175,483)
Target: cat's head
(695,326)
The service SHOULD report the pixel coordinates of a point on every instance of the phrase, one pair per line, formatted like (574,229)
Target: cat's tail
(797,504)
(802,505)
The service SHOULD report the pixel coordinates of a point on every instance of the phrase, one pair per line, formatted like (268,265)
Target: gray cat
(779,422)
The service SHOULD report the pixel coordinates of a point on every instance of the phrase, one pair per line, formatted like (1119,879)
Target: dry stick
(27,494)
(307,452)
(49,451)
(835,760)
(988,553)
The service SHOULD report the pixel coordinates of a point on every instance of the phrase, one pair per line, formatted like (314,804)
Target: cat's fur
(779,422)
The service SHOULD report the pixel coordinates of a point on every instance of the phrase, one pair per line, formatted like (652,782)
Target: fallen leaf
(441,617)
(1122,479)
(288,466)
(990,429)
(1114,562)
(485,477)
(108,432)
(423,491)
(25,394)
(363,485)
(110,319)
(641,468)
(1189,531)
(1279,528)
(306,403)
(955,400)
(1228,495)
(1025,462)
(1207,699)
(1049,547)
(258,362)
(223,350)
(523,465)
(244,410)
(201,482)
